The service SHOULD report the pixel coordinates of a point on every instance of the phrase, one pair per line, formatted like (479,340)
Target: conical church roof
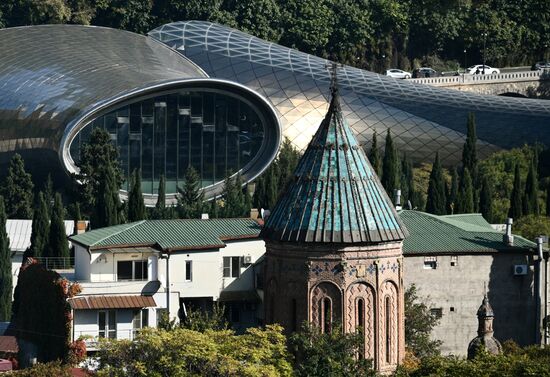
(335,196)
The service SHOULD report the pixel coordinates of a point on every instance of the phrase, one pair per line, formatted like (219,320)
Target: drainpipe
(167,257)
(538,326)
(545,319)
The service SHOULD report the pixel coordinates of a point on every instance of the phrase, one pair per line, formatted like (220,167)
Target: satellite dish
(264,213)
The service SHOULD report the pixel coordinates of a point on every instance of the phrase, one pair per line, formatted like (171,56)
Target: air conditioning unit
(247,259)
(520,269)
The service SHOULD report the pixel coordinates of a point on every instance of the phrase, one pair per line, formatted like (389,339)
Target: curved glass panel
(213,132)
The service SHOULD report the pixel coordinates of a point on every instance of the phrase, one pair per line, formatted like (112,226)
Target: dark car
(540,65)
(425,72)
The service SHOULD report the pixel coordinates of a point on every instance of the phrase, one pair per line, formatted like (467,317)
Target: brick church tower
(334,246)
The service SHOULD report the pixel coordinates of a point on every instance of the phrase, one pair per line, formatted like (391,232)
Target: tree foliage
(136,205)
(436,202)
(58,245)
(40,229)
(41,313)
(532,226)
(419,323)
(328,354)
(390,167)
(185,353)
(17,190)
(374,156)
(530,201)
(515,210)
(465,200)
(190,196)
(486,199)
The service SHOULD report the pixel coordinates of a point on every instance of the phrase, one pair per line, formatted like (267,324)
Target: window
(188,270)
(132,270)
(231,267)
(360,313)
(326,312)
(106,320)
(140,319)
(388,330)
(430,263)
(436,312)
(454,260)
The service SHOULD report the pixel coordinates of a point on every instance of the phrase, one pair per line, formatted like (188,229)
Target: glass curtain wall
(213,132)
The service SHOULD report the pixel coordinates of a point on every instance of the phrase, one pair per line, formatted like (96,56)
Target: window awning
(111,302)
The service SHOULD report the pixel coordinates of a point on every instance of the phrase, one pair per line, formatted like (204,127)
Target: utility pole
(484,49)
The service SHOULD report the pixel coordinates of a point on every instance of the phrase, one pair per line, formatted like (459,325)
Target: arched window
(388,330)
(326,315)
(360,314)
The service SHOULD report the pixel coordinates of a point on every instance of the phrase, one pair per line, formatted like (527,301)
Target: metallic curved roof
(52,74)
(335,196)
(423,118)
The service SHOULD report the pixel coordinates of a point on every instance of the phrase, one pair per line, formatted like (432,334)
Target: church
(334,246)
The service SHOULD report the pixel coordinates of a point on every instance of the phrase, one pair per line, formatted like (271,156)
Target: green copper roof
(467,233)
(336,196)
(170,234)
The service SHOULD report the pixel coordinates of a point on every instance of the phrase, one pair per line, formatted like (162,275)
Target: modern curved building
(201,94)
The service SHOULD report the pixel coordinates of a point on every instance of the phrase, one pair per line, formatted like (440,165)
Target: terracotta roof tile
(111,302)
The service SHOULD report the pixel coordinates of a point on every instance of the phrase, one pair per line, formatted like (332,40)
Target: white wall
(103,264)
(82,265)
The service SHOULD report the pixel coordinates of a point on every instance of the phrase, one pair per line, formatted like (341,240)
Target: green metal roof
(465,233)
(170,234)
(336,195)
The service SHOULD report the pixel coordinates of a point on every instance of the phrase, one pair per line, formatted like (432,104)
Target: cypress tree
(286,164)
(530,205)
(17,190)
(548,201)
(5,267)
(515,210)
(390,167)
(469,152)
(57,244)
(271,187)
(436,201)
(136,206)
(453,192)
(233,196)
(486,199)
(160,207)
(48,191)
(407,181)
(40,228)
(374,156)
(107,204)
(465,201)
(190,197)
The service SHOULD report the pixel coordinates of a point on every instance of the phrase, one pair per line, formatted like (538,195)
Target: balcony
(140,287)
(92,338)
(56,263)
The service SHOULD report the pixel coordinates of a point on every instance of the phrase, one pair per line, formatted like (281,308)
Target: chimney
(254,213)
(80,227)
(508,239)
(397,197)
(204,216)
(540,241)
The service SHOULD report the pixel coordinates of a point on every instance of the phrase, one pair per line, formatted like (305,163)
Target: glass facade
(214,132)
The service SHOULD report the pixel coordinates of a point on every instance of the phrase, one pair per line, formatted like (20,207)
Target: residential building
(131,273)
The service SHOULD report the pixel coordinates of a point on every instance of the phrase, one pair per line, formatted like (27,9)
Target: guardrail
(466,79)
(56,263)
(91,338)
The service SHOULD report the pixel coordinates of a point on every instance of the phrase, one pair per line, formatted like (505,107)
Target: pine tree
(465,201)
(390,167)
(17,190)
(160,211)
(374,155)
(5,267)
(57,241)
(136,205)
(530,205)
(515,210)
(40,229)
(190,197)
(486,199)
(436,201)
(453,193)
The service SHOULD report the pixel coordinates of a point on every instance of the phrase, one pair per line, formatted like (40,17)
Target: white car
(398,74)
(478,70)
